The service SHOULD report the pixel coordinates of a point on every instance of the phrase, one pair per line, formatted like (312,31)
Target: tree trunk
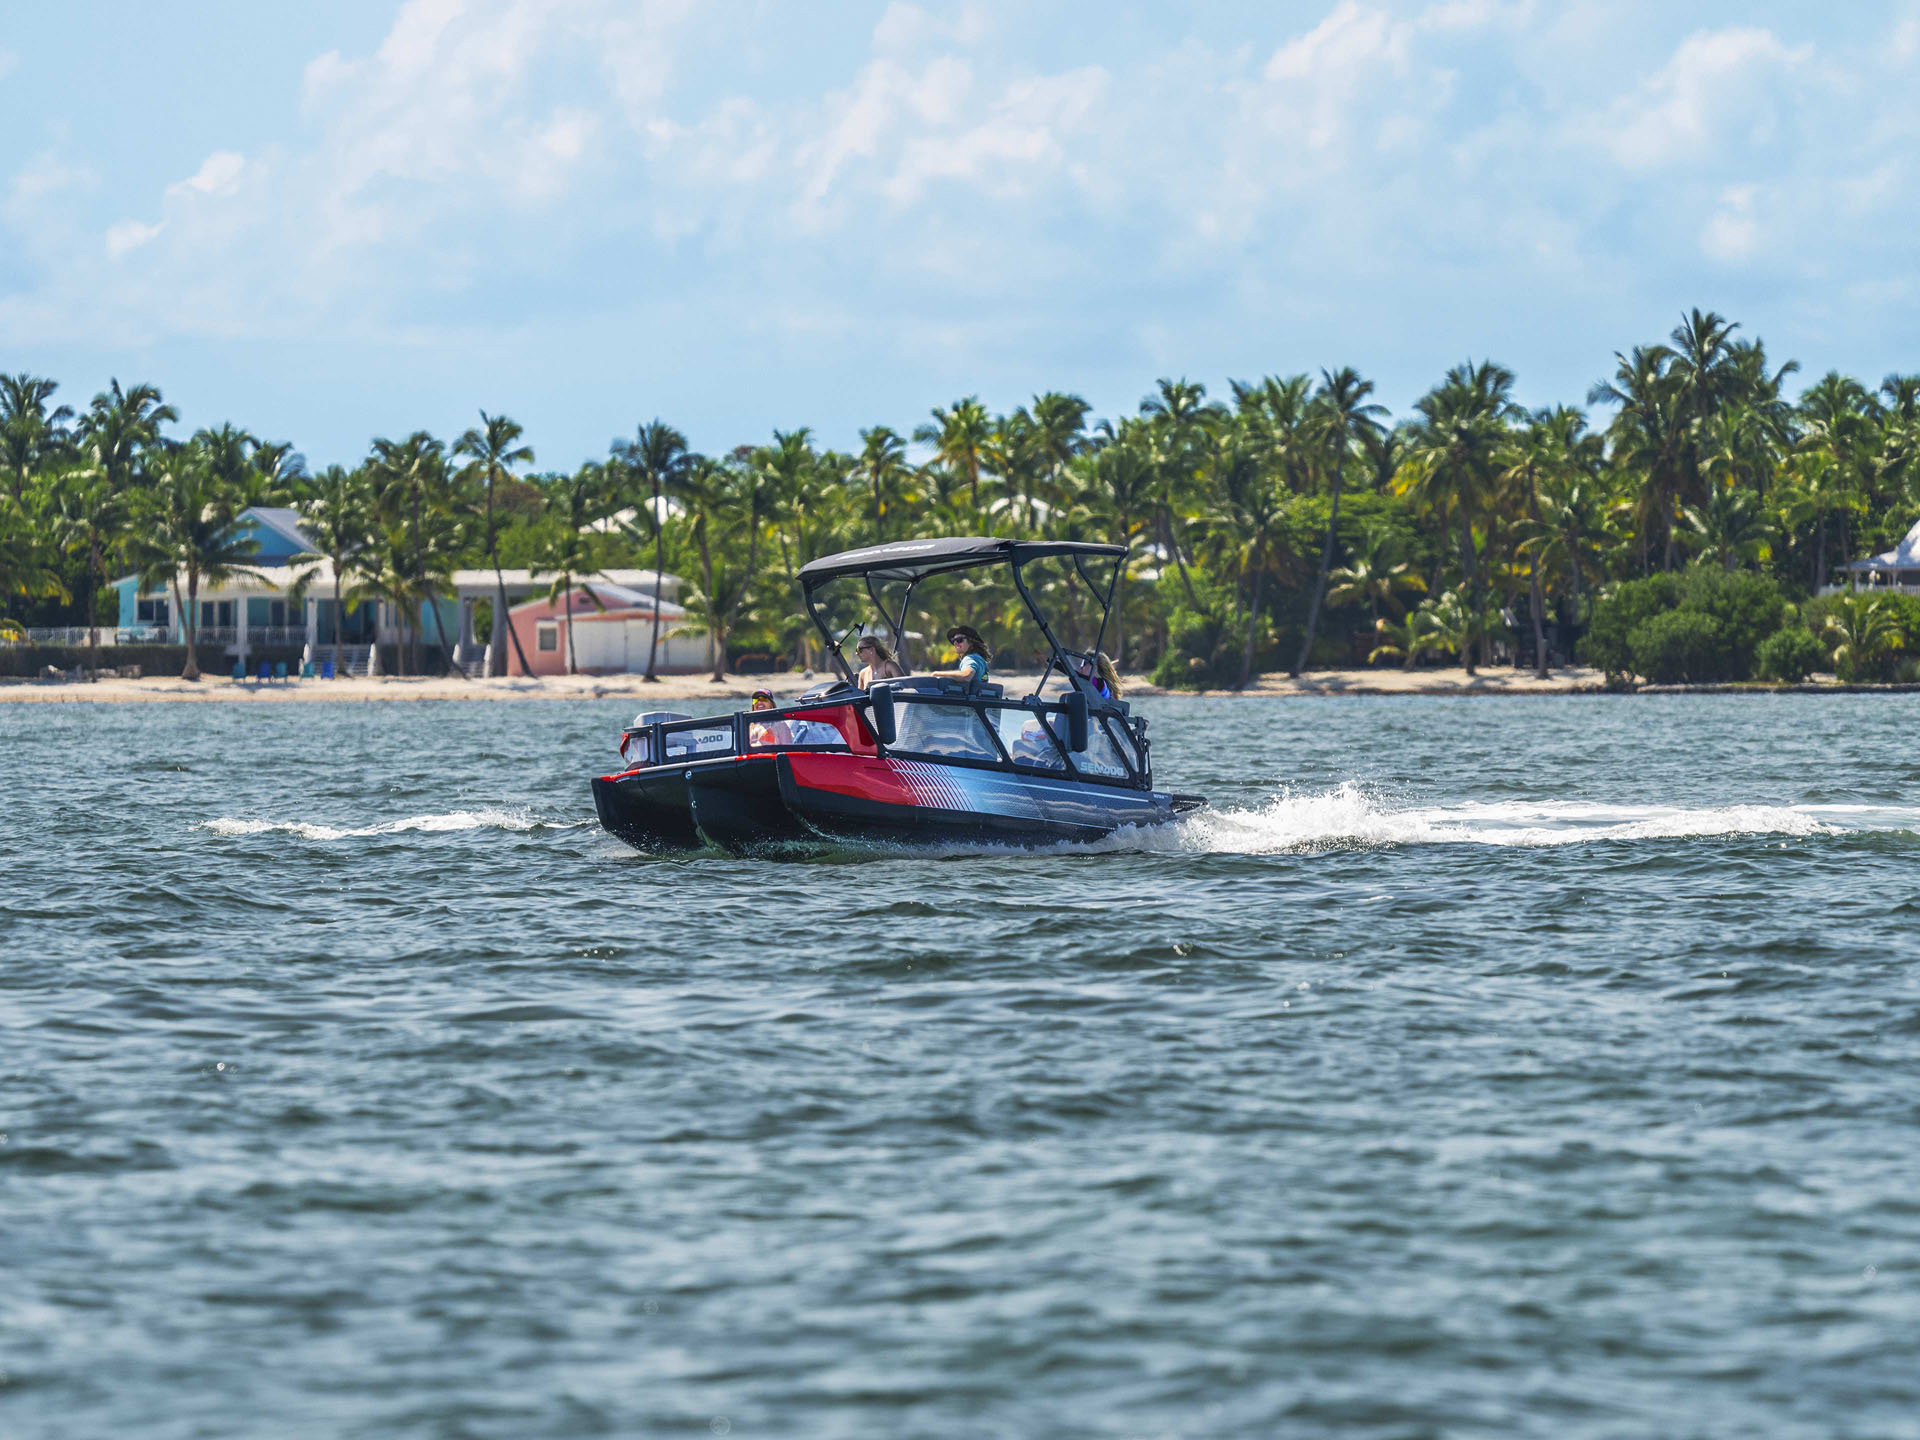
(446,650)
(659,559)
(1536,601)
(192,672)
(339,621)
(1320,581)
(1179,561)
(572,662)
(1253,621)
(1820,556)
(1470,564)
(93,593)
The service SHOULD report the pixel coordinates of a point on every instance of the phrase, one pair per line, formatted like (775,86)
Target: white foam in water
(430,824)
(1348,815)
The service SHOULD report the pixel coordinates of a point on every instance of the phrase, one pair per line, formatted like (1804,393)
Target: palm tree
(1835,412)
(494,451)
(1452,453)
(30,434)
(572,504)
(1343,418)
(1375,576)
(87,517)
(727,506)
(414,489)
(26,569)
(1404,640)
(1860,629)
(1648,438)
(1730,526)
(1245,530)
(962,438)
(657,457)
(187,523)
(1454,622)
(883,466)
(1565,495)
(338,519)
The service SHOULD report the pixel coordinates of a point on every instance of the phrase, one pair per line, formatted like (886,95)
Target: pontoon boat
(915,760)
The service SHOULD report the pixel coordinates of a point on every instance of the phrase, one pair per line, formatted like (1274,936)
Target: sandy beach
(171,689)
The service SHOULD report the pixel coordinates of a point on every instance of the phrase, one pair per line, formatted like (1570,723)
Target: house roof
(1904,556)
(618,599)
(284,523)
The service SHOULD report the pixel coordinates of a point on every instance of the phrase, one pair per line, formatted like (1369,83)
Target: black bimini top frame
(911,561)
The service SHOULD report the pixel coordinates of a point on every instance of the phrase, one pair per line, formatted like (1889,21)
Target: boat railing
(947,724)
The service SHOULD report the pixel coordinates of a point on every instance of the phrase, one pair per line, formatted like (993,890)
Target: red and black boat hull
(742,803)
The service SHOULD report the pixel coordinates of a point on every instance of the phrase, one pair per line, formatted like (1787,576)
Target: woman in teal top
(973,653)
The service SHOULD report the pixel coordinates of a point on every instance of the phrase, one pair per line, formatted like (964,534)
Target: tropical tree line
(1289,524)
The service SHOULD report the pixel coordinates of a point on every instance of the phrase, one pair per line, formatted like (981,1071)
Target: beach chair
(306,669)
(239,672)
(279,671)
(266,672)
(326,669)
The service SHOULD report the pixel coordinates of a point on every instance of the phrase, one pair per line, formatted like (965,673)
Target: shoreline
(787,686)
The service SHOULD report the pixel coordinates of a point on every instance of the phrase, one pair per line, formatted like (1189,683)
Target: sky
(332,222)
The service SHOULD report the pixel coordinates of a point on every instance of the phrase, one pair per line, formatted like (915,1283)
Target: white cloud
(1719,85)
(1733,232)
(219,174)
(130,235)
(479,168)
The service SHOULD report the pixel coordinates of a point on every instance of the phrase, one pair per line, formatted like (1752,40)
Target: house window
(150,612)
(546,636)
(216,614)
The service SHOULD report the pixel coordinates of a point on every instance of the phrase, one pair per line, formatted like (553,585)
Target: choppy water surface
(1540,1067)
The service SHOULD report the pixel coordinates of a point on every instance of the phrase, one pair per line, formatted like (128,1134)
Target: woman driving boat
(973,653)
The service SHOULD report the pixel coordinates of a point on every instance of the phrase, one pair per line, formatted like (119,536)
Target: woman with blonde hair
(1109,677)
(876,662)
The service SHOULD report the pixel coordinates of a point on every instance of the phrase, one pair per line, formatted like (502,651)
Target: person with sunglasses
(876,662)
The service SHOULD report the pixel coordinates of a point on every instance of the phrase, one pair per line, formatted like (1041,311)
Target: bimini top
(917,559)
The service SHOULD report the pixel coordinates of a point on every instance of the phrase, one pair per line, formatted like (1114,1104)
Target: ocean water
(1540,1067)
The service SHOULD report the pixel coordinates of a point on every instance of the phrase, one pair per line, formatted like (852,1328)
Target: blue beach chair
(266,672)
(326,669)
(279,670)
(239,672)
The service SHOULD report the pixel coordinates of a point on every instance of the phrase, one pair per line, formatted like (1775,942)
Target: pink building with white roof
(611,626)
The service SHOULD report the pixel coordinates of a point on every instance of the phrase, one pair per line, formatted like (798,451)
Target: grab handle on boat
(880,701)
(1074,704)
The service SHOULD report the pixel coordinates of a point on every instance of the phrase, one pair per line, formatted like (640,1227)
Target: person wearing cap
(773,734)
(973,653)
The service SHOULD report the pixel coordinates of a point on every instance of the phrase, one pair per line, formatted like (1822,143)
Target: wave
(1349,816)
(426,824)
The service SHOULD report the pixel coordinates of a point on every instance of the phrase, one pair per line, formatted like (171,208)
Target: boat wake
(515,820)
(1348,816)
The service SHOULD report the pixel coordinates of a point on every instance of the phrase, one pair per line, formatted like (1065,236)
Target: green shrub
(1679,647)
(1747,608)
(1615,614)
(1632,631)
(1791,654)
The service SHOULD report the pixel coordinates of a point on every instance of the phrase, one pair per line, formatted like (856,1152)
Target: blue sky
(340,221)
